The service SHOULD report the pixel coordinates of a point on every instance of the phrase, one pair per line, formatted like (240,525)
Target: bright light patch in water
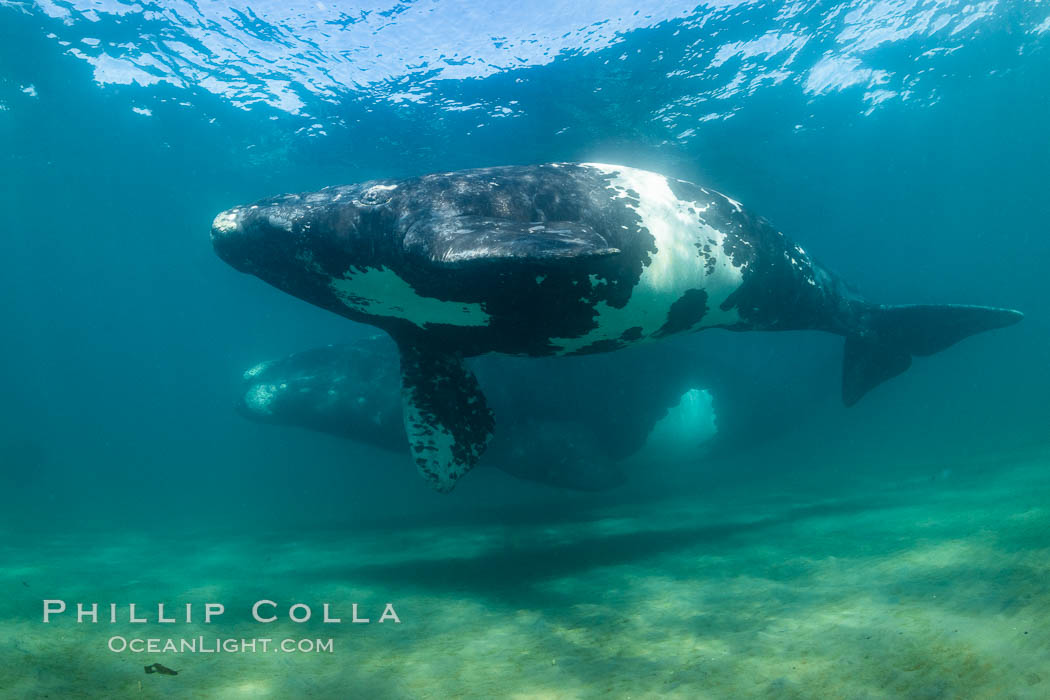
(678,437)
(238,51)
(837,73)
(297,55)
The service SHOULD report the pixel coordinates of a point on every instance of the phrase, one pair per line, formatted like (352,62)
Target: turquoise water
(894,549)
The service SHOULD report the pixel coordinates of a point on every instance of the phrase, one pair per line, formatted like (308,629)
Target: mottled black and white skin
(556,259)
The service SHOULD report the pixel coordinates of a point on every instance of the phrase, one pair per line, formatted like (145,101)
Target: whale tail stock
(891,335)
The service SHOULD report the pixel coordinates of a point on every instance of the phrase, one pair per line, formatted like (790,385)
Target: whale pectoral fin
(447,419)
(468,238)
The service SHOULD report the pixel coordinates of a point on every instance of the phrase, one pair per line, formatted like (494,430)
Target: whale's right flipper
(893,334)
(447,419)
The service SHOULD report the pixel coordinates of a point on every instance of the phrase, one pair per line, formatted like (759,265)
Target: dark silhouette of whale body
(557,259)
(576,438)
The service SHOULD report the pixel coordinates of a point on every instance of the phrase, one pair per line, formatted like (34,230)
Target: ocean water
(765,541)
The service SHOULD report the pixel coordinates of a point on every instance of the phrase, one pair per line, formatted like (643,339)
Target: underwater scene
(546,349)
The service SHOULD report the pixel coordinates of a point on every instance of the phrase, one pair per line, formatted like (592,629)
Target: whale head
(336,249)
(292,231)
(302,243)
(346,390)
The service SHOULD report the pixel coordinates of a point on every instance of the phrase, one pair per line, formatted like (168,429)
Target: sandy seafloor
(934,585)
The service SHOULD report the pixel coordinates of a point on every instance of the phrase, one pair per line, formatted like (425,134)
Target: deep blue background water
(125,336)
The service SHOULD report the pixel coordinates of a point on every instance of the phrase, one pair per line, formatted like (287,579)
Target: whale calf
(557,259)
(567,440)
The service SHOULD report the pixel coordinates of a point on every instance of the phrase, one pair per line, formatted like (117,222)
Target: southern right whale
(557,259)
(571,439)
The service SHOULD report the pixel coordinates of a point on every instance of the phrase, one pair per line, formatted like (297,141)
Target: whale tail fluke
(893,334)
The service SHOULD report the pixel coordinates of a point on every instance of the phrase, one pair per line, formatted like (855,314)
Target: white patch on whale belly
(674,269)
(381,292)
